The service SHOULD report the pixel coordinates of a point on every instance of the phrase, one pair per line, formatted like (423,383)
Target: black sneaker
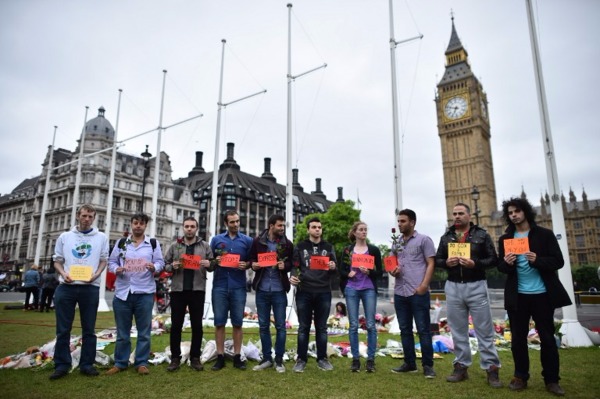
(405,368)
(355,367)
(58,374)
(370,366)
(219,364)
(238,363)
(89,371)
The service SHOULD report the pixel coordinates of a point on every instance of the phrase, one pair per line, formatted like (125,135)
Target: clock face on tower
(456,107)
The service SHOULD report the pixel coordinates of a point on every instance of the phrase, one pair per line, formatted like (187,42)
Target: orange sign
(517,246)
(230,260)
(391,263)
(319,263)
(191,261)
(267,259)
(135,265)
(361,260)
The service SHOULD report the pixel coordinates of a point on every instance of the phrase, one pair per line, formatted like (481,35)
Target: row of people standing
(39,287)
(466,290)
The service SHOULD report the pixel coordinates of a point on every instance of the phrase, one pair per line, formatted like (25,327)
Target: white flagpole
(78,175)
(157,163)
(103,306)
(38,245)
(574,335)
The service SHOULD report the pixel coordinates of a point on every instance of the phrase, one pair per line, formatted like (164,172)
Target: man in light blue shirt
(134,260)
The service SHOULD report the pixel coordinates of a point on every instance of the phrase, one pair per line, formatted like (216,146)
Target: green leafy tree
(337,222)
(586,277)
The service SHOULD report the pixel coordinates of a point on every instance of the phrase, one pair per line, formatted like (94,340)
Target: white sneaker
(324,365)
(263,365)
(279,367)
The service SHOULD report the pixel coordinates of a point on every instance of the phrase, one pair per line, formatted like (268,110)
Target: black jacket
(285,250)
(548,260)
(345,265)
(313,280)
(482,252)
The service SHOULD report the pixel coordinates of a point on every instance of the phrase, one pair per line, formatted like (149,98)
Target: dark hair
(228,213)
(467,207)
(188,218)
(274,219)
(342,305)
(351,233)
(521,204)
(142,217)
(51,269)
(312,220)
(410,213)
(87,207)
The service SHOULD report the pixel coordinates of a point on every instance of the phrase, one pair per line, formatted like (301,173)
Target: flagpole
(574,335)
(78,175)
(103,305)
(157,163)
(38,244)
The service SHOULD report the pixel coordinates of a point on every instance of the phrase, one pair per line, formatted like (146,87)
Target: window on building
(127,204)
(229,201)
(580,241)
(116,201)
(138,206)
(114,224)
(577,225)
(582,259)
(179,215)
(203,205)
(102,198)
(101,222)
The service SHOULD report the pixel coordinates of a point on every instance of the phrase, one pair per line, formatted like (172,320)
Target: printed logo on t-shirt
(82,250)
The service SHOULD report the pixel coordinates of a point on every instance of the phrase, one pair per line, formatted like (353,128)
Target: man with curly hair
(533,290)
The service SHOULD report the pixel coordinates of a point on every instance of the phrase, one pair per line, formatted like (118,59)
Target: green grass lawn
(580,370)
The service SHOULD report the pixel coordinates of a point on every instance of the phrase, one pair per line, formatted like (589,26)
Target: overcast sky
(59,56)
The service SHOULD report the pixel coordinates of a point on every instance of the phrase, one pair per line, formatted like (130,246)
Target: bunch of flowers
(123,244)
(347,256)
(281,251)
(396,243)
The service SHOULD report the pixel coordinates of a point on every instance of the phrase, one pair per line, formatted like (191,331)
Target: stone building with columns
(255,197)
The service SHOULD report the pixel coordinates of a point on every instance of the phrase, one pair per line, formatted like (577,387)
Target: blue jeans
(66,297)
(369,300)
(415,307)
(308,303)
(229,301)
(140,307)
(277,300)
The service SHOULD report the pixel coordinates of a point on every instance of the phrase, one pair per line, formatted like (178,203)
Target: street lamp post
(146,155)
(475,198)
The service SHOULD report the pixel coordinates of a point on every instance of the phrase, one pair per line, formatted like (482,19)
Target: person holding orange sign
(188,258)
(533,290)
(232,250)
(416,254)
(271,257)
(360,268)
(314,269)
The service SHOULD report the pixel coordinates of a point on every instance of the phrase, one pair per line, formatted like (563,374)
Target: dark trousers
(47,296)
(194,302)
(29,291)
(536,306)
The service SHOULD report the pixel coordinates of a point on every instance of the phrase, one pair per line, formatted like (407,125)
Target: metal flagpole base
(574,335)
(103,305)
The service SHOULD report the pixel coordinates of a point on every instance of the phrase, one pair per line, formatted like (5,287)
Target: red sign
(391,263)
(319,262)
(267,259)
(361,260)
(230,260)
(191,261)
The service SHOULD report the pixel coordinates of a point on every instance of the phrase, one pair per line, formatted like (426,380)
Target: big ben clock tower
(464,130)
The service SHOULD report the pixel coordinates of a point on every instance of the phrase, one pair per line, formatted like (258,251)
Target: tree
(337,222)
